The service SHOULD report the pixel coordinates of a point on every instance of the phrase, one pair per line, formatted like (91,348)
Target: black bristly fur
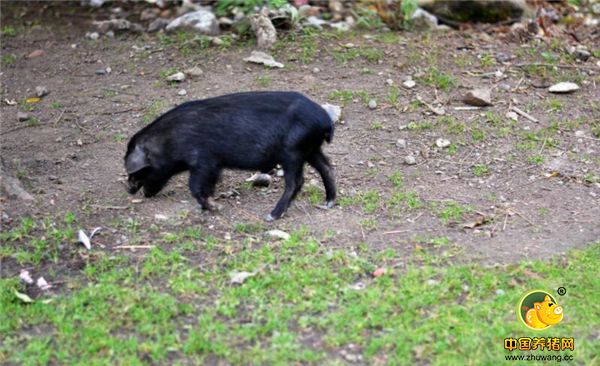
(249,131)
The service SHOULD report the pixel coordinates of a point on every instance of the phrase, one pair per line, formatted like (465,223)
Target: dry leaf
(23,297)
(379,272)
(240,277)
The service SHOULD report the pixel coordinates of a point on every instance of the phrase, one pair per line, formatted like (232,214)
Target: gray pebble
(40,91)
(22,116)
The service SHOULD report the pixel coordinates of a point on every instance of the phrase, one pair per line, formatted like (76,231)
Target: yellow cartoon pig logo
(539,310)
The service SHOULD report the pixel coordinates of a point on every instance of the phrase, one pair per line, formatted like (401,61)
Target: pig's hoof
(269,218)
(327,205)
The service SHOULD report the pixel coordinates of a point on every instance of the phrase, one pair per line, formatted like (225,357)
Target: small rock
(582,54)
(202,21)
(158,24)
(194,72)
(110,34)
(118,25)
(22,116)
(316,22)
(401,143)
(280,173)
(512,115)
(225,22)
(178,76)
(564,87)
(504,86)
(423,20)
(442,143)
(579,133)
(160,217)
(40,91)
(216,41)
(36,53)
(478,97)
(389,82)
(502,57)
(26,277)
(263,29)
(500,292)
(182,92)
(259,57)
(92,35)
(260,180)
(334,111)
(372,104)
(148,14)
(409,84)
(278,234)
(410,160)
(101,72)
(316,70)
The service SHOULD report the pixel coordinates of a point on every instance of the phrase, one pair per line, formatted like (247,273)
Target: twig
(395,232)
(589,138)
(557,65)
(543,145)
(518,84)
(438,111)
(465,108)
(524,218)
(134,246)
(505,219)
(59,118)
(110,207)
(525,114)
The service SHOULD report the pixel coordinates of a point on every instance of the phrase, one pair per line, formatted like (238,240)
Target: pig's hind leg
(202,185)
(293,183)
(320,162)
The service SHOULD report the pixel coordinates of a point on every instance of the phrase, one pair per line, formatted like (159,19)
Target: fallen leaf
(25,276)
(357,286)
(240,277)
(32,100)
(83,238)
(10,101)
(23,297)
(36,53)
(379,272)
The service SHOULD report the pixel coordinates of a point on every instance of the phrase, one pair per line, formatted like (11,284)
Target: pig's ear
(137,160)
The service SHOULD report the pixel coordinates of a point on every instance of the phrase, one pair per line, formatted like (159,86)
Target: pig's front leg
(202,185)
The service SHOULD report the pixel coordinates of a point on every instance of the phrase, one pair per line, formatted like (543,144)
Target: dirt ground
(538,192)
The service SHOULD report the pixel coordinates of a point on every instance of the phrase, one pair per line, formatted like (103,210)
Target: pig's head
(548,312)
(136,164)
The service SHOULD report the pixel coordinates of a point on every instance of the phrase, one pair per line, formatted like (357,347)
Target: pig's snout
(558,310)
(133,185)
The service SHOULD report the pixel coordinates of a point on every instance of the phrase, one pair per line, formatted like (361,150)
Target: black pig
(249,131)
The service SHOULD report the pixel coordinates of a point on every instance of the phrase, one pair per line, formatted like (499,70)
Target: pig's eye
(550,305)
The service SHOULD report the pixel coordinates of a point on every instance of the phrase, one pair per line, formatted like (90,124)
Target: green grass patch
(163,307)
(155,109)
